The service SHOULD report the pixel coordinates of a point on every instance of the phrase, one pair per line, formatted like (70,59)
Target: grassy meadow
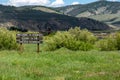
(62,64)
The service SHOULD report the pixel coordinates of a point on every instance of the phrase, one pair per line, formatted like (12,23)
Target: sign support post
(38,48)
(21,47)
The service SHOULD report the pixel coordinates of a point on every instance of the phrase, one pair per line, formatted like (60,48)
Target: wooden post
(21,48)
(38,48)
(21,45)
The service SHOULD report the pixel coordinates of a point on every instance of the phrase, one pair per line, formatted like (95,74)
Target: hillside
(95,8)
(41,8)
(33,19)
(105,11)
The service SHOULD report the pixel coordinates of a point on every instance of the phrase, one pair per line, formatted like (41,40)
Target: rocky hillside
(105,11)
(36,18)
(95,8)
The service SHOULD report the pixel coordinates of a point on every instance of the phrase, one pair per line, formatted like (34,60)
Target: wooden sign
(29,38)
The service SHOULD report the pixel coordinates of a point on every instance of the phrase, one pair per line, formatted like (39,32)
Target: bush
(110,43)
(57,41)
(74,39)
(82,35)
(116,36)
(7,39)
(15,28)
(86,46)
(106,45)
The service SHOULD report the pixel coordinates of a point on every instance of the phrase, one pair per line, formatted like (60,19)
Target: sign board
(29,38)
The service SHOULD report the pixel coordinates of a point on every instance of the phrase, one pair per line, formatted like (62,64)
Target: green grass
(61,64)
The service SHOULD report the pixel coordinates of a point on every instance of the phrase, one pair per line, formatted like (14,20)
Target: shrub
(117,39)
(82,35)
(86,46)
(15,28)
(108,44)
(74,39)
(7,39)
(57,41)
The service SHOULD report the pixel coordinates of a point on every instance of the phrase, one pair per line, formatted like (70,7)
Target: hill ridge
(30,19)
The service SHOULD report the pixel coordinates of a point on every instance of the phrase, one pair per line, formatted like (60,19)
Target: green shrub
(57,41)
(107,44)
(116,36)
(86,46)
(74,39)
(7,39)
(82,35)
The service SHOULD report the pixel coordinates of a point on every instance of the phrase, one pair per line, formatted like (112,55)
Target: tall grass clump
(7,39)
(73,39)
